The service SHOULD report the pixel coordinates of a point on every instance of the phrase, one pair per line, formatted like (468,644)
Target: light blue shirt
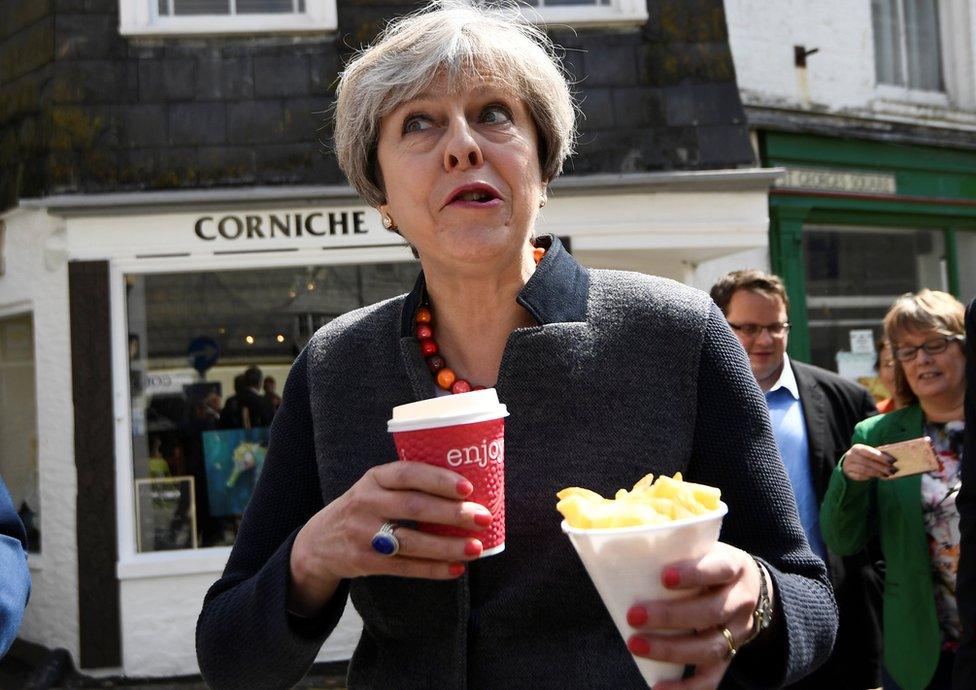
(790,430)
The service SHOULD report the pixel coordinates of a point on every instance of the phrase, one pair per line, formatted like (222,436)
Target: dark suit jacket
(964,675)
(831,407)
(259,409)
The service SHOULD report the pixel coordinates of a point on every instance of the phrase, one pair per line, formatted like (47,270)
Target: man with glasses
(813,413)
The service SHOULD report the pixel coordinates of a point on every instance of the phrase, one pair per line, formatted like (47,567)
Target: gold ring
(731,642)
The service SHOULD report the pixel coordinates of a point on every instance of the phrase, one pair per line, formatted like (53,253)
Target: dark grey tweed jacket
(625,374)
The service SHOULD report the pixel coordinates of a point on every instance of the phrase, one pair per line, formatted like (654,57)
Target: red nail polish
(464,487)
(456,569)
(636,616)
(639,646)
(473,548)
(670,577)
(482,519)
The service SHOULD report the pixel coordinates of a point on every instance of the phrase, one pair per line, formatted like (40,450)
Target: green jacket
(852,511)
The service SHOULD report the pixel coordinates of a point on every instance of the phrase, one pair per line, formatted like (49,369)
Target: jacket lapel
(815,420)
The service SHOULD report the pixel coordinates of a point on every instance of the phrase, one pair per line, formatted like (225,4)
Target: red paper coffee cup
(464,433)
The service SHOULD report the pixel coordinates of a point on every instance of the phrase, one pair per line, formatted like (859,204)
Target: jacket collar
(556,292)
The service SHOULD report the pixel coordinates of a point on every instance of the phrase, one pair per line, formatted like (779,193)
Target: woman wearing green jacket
(915,516)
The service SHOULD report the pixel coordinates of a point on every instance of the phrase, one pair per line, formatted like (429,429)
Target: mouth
(477,195)
(929,375)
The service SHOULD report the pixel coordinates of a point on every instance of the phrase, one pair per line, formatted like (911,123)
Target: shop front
(853,225)
(186,311)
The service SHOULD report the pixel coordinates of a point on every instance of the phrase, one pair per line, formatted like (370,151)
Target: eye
(495,114)
(416,123)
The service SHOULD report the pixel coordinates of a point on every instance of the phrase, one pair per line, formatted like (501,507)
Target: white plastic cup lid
(448,410)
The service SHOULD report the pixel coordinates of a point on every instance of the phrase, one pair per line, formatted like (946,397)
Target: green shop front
(853,225)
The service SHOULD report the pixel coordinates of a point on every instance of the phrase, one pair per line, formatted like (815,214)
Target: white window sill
(900,95)
(210,561)
(217,26)
(622,12)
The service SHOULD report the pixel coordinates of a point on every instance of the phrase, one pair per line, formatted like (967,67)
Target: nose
(764,337)
(461,150)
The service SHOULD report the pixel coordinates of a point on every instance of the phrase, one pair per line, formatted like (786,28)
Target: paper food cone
(625,564)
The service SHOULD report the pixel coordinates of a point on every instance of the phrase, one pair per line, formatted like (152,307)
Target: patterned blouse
(939,491)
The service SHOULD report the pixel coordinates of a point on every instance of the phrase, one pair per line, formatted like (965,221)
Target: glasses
(777,329)
(931,347)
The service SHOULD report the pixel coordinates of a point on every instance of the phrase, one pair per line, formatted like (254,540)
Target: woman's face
(933,376)
(461,174)
(886,368)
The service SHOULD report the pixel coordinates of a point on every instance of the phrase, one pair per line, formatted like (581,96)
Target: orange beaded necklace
(423,330)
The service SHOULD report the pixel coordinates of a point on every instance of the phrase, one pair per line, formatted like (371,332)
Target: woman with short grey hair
(452,125)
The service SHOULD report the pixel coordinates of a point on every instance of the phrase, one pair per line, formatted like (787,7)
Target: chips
(649,502)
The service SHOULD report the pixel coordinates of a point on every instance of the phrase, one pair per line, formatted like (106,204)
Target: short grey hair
(459,41)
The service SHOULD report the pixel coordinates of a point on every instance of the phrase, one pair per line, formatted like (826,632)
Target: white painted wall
(159,616)
(840,79)
(36,280)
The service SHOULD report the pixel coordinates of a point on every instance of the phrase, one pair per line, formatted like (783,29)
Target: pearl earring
(388,222)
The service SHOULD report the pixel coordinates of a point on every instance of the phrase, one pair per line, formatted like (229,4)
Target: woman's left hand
(729,584)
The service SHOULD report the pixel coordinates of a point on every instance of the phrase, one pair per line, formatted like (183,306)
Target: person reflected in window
(916,515)
(271,394)
(14,574)
(256,408)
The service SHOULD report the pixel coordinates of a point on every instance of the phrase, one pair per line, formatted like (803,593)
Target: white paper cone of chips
(625,564)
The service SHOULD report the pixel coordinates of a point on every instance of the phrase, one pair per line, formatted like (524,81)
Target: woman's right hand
(864,462)
(336,543)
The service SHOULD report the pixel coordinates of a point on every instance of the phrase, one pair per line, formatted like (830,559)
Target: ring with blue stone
(385,542)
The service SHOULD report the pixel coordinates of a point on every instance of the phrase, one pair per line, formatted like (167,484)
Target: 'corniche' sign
(270,226)
(845,181)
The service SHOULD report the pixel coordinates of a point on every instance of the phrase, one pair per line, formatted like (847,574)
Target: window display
(853,276)
(18,423)
(208,353)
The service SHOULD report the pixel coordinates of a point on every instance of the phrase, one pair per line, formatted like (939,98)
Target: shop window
(18,423)
(225,16)
(209,353)
(853,275)
(965,261)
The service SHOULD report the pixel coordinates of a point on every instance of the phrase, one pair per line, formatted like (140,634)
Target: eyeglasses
(931,347)
(777,329)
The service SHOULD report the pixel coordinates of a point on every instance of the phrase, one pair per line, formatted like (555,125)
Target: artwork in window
(907,43)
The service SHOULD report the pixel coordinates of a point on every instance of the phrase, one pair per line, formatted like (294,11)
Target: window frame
(141,18)
(956,62)
(617,12)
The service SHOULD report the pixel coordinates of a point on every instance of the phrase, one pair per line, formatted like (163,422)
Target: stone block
(638,106)
(254,122)
(323,71)
(670,65)
(95,81)
(175,168)
(281,76)
(703,104)
(303,120)
(610,67)
(88,6)
(88,36)
(77,127)
(18,15)
(141,125)
(597,107)
(27,50)
(226,165)
(224,78)
(723,146)
(686,21)
(167,80)
(197,123)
